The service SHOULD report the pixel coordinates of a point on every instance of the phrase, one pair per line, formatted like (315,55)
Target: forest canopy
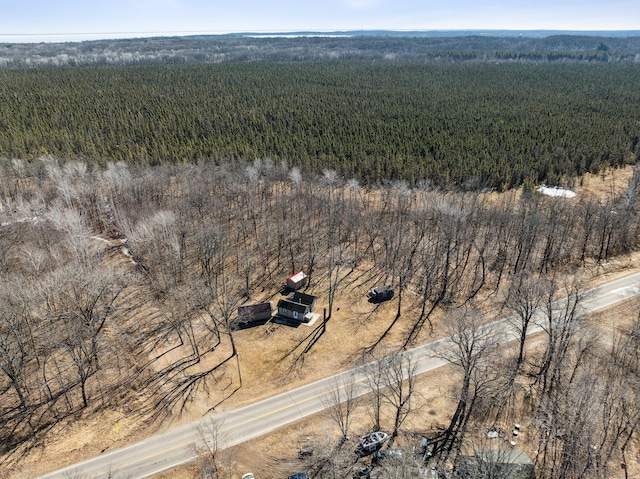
(473,125)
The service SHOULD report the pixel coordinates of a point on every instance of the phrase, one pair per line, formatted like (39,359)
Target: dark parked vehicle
(364,473)
(300,475)
(380,293)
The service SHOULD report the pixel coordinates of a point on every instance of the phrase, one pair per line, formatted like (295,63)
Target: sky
(63,20)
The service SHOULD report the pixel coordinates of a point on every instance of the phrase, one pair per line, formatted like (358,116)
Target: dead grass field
(270,364)
(275,456)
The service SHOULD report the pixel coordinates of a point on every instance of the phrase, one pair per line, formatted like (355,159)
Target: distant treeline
(389,46)
(455,124)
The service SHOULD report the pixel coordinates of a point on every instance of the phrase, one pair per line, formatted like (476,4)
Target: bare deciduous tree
(524,296)
(17,348)
(375,372)
(81,300)
(341,401)
(472,345)
(211,463)
(399,384)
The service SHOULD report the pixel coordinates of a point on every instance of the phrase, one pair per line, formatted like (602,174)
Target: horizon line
(324,30)
(77,37)
(224,32)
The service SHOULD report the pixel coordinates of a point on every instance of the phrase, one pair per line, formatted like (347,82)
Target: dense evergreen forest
(473,124)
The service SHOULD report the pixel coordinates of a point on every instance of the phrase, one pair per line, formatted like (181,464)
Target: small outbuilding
(297,281)
(255,312)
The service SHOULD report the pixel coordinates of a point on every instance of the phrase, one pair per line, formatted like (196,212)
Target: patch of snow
(35,220)
(124,250)
(102,239)
(555,191)
(127,253)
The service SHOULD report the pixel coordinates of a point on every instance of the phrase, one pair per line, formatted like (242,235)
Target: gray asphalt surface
(177,446)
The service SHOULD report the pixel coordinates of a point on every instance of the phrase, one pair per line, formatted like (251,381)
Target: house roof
(251,309)
(291,306)
(297,297)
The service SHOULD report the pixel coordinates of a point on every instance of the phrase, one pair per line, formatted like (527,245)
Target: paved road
(177,446)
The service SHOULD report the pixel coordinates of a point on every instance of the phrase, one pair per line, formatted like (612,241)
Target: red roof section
(299,276)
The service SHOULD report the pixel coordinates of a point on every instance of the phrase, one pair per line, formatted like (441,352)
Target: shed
(297,281)
(255,312)
(302,298)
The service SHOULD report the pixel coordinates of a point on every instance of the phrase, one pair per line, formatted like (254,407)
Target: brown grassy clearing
(269,367)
